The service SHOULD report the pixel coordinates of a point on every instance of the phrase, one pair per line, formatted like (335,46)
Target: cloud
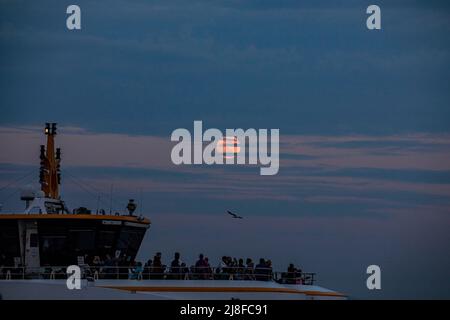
(302,67)
(354,174)
(408,151)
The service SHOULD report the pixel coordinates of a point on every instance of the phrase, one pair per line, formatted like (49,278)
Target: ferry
(38,245)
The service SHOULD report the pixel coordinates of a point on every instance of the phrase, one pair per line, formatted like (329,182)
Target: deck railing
(160,273)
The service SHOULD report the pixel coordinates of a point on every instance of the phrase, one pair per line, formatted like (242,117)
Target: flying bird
(234,215)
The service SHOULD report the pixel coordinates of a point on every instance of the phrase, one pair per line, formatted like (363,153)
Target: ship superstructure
(48,234)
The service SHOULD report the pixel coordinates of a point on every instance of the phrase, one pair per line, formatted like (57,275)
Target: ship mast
(50,175)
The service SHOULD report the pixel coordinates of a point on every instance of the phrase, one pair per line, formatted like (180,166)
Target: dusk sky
(364,120)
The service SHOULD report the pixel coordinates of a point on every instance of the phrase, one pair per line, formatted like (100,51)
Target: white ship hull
(162,290)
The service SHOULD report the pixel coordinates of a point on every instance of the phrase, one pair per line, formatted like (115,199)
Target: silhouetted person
(148,268)
(291,274)
(184,270)
(208,268)
(249,270)
(261,270)
(201,266)
(175,266)
(157,270)
(222,269)
(240,269)
(108,266)
(234,265)
(123,268)
(268,271)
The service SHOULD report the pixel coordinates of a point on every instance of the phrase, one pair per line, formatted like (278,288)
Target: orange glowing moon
(228,145)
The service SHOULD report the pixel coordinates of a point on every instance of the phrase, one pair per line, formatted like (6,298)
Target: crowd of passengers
(228,268)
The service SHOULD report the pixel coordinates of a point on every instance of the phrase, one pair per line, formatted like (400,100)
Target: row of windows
(61,242)
(65,248)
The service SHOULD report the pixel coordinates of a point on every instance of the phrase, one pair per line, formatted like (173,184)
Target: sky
(363,115)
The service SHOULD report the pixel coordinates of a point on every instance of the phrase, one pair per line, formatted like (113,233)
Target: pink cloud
(84,148)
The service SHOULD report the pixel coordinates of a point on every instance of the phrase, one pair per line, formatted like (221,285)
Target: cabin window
(34,240)
(53,248)
(106,239)
(83,239)
(130,240)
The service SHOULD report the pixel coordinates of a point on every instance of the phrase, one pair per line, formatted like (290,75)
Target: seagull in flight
(234,215)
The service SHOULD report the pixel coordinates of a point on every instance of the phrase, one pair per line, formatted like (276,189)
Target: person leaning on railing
(148,269)
(135,272)
(202,267)
(158,268)
(291,274)
(262,270)
(175,267)
(249,270)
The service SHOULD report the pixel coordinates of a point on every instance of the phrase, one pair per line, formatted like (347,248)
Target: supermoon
(228,145)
